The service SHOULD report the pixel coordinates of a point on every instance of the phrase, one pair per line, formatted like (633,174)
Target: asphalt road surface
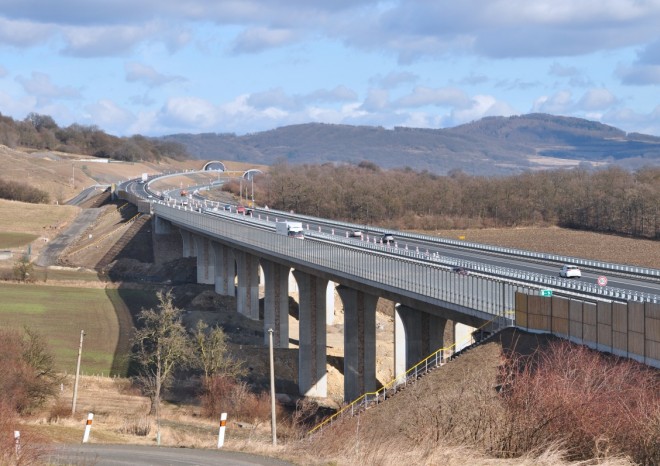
(54,248)
(139,455)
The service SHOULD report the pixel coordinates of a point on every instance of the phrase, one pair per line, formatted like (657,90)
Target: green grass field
(60,313)
(15,240)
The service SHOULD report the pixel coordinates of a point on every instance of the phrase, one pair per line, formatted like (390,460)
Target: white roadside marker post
(221,433)
(88,427)
(17,442)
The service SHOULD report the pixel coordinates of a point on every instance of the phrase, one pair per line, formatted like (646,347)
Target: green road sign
(546,293)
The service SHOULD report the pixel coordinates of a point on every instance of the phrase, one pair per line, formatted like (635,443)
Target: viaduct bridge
(237,252)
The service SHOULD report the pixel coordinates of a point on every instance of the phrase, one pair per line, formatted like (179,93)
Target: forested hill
(493,145)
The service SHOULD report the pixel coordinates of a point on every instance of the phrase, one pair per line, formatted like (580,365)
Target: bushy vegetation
(585,401)
(41,132)
(27,372)
(611,200)
(21,192)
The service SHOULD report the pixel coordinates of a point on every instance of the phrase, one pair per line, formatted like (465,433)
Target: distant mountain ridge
(490,146)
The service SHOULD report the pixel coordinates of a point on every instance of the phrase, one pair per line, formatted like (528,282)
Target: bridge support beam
(312,371)
(205,261)
(359,342)
(417,334)
(276,303)
(225,269)
(188,243)
(247,292)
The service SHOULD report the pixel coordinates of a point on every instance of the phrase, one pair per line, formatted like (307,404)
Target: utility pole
(273,421)
(75,384)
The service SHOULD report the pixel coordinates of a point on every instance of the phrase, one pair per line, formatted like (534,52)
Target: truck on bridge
(291,229)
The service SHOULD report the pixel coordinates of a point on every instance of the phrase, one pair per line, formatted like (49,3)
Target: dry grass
(584,244)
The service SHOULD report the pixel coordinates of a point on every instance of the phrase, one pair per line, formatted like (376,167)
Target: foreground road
(116,455)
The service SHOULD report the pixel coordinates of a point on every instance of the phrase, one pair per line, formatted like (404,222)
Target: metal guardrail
(587,263)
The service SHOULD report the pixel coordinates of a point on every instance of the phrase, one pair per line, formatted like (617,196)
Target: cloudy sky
(159,67)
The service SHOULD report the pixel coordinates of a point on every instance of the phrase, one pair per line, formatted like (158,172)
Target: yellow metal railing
(374,397)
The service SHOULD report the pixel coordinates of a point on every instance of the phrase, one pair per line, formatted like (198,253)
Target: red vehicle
(240,209)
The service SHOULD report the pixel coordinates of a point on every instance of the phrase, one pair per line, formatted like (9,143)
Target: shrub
(27,373)
(222,394)
(16,191)
(593,404)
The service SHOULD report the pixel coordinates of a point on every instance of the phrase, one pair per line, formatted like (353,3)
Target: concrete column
(188,243)
(247,292)
(359,342)
(225,269)
(312,371)
(276,303)
(162,226)
(205,261)
(330,303)
(416,335)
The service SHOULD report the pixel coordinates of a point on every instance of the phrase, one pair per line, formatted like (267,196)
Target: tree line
(42,132)
(610,200)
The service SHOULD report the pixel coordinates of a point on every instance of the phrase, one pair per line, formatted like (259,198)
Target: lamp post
(75,384)
(273,423)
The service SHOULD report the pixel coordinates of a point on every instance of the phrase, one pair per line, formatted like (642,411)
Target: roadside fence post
(88,427)
(221,432)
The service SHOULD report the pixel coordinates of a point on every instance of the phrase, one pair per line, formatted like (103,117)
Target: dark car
(461,270)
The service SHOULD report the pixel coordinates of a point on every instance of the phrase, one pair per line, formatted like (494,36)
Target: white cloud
(423,96)
(377,100)
(192,113)
(260,38)
(559,103)
(596,99)
(23,33)
(148,75)
(104,41)
(109,116)
(41,86)
(481,106)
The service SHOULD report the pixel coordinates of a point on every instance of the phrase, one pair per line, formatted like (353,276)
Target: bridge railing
(422,280)
(587,263)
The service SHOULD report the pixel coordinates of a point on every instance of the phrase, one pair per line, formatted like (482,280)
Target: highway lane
(550,269)
(140,455)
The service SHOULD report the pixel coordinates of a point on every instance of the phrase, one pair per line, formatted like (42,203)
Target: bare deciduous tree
(161,346)
(211,353)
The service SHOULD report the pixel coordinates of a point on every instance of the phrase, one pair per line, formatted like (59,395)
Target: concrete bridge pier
(417,334)
(276,303)
(312,372)
(161,226)
(224,268)
(247,292)
(205,261)
(359,342)
(188,243)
